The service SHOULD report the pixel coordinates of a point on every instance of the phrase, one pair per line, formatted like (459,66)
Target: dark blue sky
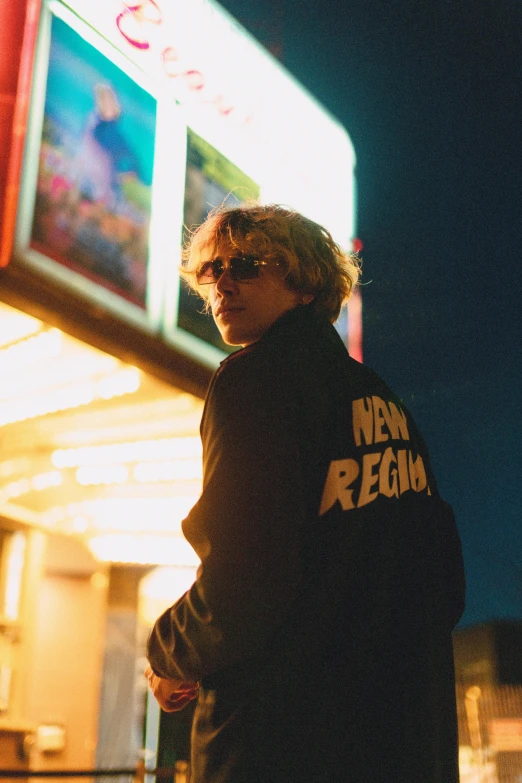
(431,95)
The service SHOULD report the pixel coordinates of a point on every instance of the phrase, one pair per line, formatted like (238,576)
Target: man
(319,627)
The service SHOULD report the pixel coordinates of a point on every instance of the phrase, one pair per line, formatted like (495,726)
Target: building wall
(65,656)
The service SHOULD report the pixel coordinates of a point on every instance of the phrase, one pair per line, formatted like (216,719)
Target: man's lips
(225,309)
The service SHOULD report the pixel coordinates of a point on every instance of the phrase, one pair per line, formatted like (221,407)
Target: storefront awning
(94,448)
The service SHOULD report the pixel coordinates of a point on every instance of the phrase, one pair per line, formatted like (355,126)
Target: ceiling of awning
(94,448)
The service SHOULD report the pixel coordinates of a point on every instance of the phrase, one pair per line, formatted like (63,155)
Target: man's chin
(230,338)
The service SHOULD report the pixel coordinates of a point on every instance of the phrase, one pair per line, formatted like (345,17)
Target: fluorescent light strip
(37,483)
(66,370)
(132,514)
(93,475)
(117,384)
(172,470)
(143,473)
(16,326)
(41,347)
(130,451)
(143,549)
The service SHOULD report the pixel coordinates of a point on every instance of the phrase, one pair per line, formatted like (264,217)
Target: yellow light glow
(14,489)
(66,370)
(12,466)
(41,481)
(16,325)
(15,565)
(133,514)
(131,451)
(143,549)
(53,517)
(38,348)
(71,396)
(37,483)
(161,588)
(116,385)
(80,525)
(142,473)
(92,475)
(41,405)
(141,482)
(172,470)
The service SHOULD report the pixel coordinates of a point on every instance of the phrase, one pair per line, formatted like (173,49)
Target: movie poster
(93,201)
(211,180)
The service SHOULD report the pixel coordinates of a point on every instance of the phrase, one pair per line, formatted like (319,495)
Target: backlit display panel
(142,118)
(92,205)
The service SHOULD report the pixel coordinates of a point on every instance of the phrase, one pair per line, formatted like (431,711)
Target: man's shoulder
(256,359)
(236,359)
(244,380)
(310,356)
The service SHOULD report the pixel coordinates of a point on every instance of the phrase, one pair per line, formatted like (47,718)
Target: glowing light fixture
(116,385)
(131,451)
(37,483)
(41,481)
(80,525)
(124,518)
(133,514)
(142,473)
(12,466)
(36,349)
(17,326)
(71,396)
(92,475)
(143,549)
(67,369)
(172,470)
(33,406)
(14,489)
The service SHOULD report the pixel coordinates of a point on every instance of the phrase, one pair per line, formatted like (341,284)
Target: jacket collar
(296,322)
(291,320)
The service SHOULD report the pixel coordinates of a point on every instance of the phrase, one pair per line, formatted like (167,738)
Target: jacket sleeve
(245,528)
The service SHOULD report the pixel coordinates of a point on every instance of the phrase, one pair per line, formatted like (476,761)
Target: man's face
(244,310)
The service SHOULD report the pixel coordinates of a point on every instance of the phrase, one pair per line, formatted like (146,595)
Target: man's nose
(225,284)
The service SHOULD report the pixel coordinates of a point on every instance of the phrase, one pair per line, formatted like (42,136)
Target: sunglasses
(238,267)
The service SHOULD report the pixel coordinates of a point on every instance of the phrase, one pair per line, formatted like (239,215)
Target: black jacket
(331,576)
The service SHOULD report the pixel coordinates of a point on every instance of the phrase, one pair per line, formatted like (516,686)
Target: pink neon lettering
(135,16)
(195,80)
(169,56)
(222,107)
(131,23)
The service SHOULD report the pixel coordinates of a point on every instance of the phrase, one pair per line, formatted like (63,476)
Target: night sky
(430,93)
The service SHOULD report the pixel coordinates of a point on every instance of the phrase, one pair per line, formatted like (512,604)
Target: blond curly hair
(312,262)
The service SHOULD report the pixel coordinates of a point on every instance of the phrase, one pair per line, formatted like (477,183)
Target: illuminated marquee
(181,93)
(240,99)
(137,24)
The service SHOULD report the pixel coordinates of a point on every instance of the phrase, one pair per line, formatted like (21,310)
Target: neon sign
(138,23)
(138,14)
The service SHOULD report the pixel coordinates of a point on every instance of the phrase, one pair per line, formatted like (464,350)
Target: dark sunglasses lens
(209,272)
(243,268)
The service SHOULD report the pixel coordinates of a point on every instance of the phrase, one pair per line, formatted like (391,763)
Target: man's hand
(171,695)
